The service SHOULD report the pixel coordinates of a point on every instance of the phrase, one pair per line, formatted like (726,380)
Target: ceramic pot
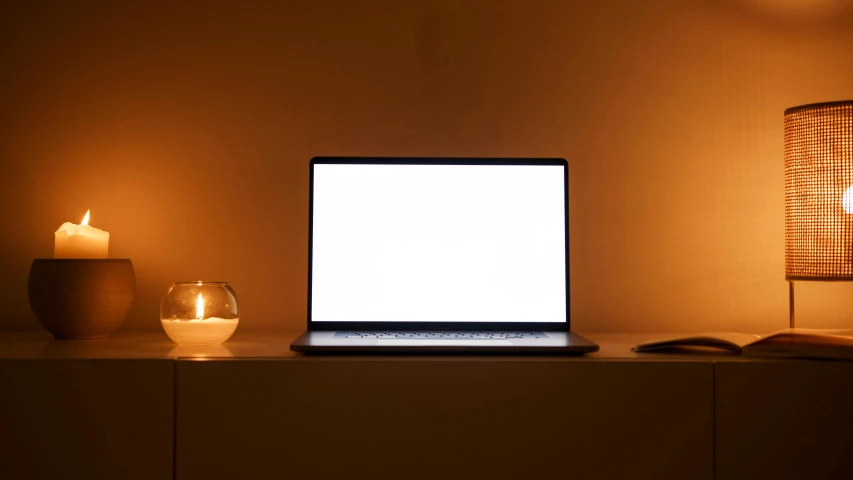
(81,298)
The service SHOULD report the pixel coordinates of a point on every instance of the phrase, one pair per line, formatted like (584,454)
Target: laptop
(439,255)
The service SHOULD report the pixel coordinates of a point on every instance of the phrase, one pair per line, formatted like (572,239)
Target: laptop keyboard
(442,335)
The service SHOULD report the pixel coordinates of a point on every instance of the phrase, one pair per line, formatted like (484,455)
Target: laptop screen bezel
(447,326)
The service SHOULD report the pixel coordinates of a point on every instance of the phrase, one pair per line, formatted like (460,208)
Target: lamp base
(81,298)
(790,304)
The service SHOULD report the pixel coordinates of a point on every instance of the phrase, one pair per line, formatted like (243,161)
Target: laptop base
(553,343)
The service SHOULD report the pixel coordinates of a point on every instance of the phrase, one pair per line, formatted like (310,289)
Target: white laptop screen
(438,243)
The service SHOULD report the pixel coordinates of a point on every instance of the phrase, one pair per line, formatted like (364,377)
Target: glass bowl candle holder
(199,313)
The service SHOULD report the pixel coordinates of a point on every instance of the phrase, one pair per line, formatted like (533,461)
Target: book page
(806,336)
(731,341)
(804,343)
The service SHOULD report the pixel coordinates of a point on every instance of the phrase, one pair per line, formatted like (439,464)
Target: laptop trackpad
(404,342)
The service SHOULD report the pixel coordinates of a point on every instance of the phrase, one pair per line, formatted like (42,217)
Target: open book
(787,343)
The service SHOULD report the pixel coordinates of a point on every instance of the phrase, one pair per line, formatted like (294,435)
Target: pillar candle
(80,241)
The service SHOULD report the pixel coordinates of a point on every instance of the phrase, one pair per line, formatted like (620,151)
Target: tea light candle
(80,241)
(200,330)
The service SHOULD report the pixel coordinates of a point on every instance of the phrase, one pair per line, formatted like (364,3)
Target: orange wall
(187,131)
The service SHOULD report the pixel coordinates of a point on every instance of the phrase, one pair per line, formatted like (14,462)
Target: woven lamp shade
(818,193)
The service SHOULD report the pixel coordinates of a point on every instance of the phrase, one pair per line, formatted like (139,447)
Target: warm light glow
(802,10)
(85,219)
(199,307)
(847,200)
(818,170)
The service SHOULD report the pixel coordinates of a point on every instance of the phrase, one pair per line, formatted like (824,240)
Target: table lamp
(818,194)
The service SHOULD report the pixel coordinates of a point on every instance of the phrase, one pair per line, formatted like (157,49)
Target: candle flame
(199,307)
(85,219)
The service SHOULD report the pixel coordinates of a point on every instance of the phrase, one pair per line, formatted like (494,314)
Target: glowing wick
(199,307)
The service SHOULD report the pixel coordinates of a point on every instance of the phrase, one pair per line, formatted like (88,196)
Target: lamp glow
(819,173)
(818,170)
(847,200)
(85,218)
